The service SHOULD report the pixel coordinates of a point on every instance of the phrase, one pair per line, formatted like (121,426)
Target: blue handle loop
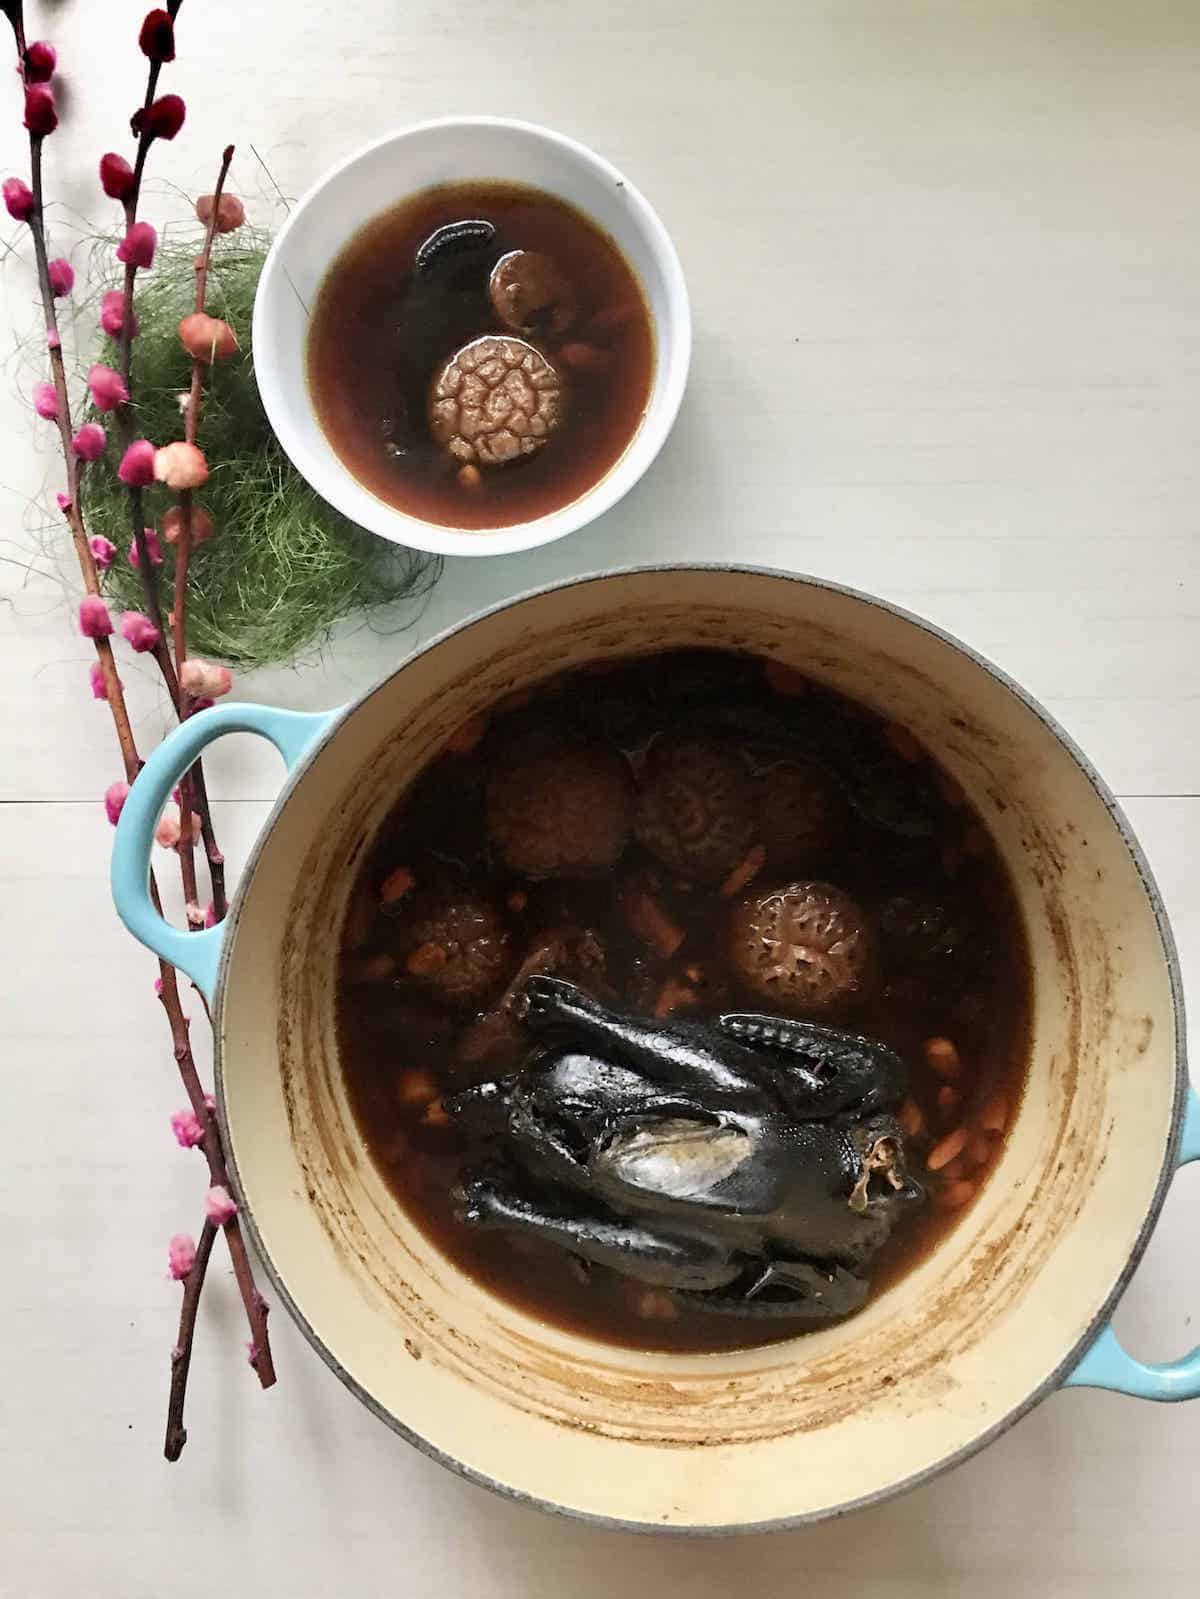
(1106,1365)
(197,954)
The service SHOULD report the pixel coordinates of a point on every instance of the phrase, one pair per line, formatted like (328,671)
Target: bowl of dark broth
(697,1047)
(473,336)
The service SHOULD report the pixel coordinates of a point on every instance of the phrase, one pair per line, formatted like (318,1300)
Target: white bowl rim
(1075,1350)
(666,394)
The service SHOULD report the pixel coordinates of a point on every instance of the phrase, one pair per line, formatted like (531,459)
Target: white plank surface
(944,257)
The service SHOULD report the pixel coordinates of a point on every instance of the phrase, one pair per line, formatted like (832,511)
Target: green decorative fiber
(282,567)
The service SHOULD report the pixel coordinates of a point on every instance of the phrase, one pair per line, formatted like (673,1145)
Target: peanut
(912,1118)
(745,872)
(947,1149)
(654,1305)
(941,1055)
(994,1116)
(427,959)
(979,1150)
(396,885)
(582,357)
(416,1087)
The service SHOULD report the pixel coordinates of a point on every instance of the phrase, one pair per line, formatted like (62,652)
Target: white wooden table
(950,249)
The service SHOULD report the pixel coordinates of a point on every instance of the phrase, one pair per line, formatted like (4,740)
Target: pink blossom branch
(183,551)
(95,623)
(87,565)
(181,1355)
(214,1154)
(192,787)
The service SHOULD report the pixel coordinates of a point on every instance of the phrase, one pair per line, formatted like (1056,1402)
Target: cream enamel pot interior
(1012,1305)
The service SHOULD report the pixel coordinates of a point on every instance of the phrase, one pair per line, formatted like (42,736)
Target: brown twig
(255,1306)
(194,780)
(214,1154)
(193,791)
(181,1355)
(87,565)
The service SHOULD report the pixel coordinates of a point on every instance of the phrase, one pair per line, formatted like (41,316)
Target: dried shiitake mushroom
(454,943)
(531,294)
(803,948)
(495,400)
(559,808)
(695,806)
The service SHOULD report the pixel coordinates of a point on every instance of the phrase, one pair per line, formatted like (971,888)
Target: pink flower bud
(63,502)
(153,549)
(137,464)
(116,176)
(41,113)
(201,524)
(88,444)
(45,401)
(181,466)
(53,342)
(18,199)
(169,832)
(219,1206)
(204,680)
(206,338)
(106,387)
(138,631)
(158,987)
(102,551)
(137,247)
(40,60)
(62,277)
(188,1128)
(115,796)
(231,213)
(160,120)
(112,314)
(96,677)
(210,914)
(181,1256)
(94,620)
(157,36)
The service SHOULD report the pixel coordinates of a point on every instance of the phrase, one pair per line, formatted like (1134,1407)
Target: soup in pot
(684,1002)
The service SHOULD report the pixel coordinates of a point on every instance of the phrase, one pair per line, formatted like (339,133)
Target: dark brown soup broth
(381,330)
(951,964)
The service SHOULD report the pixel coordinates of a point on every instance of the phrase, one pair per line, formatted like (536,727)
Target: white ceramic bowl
(455,150)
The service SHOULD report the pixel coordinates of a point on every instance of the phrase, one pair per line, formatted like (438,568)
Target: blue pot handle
(1106,1365)
(197,954)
